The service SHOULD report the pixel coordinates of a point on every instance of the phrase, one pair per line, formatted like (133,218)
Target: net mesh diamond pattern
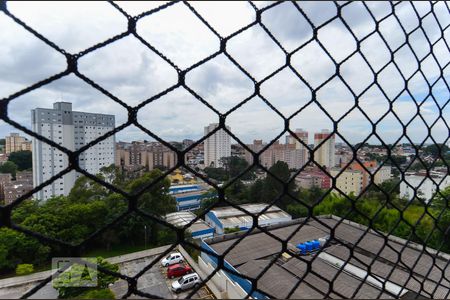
(333,62)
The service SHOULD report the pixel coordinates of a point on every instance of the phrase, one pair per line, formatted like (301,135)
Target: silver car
(186,282)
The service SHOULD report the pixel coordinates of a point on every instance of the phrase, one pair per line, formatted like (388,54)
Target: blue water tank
(309,246)
(302,248)
(316,244)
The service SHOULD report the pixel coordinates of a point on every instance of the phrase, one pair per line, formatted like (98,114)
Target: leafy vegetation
(233,166)
(89,207)
(24,269)
(231,230)
(382,204)
(436,150)
(22,159)
(9,168)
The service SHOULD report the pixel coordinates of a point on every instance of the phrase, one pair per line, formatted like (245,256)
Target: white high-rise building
(325,154)
(72,130)
(216,146)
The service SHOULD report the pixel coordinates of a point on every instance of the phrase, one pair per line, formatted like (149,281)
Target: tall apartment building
(301,135)
(148,155)
(325,154)
(14,142)
(216,146)
(72,130)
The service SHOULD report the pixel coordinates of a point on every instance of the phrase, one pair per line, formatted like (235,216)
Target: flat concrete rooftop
(397,269)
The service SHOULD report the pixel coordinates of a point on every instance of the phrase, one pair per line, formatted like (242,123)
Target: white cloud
(133,73)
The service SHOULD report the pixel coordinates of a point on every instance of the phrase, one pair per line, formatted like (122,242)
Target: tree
(396,160)
(155,200)
(273,188)
(255,193)
(23,159)
(112,174)
(17,248)
(88,207)
(436,150)
(86,189)
(2,142)
(24,269)
(235,166)
(297,210)
(219,174)
(441,200)
(237,193)
(9,167)
(177,145)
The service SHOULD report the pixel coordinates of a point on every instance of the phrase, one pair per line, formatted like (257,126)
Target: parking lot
(154,281)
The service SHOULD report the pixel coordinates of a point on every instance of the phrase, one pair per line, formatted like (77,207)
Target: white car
(171,259)
(186,282)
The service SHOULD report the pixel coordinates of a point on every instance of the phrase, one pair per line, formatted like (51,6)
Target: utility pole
(145,236)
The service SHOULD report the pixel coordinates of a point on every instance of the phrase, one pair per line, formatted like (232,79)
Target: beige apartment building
(294,157)
(14,143)
(324,154)
(147,155)
(349,181)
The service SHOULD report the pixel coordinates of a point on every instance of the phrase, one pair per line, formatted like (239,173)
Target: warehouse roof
(181,218)
(229,215)
(390,261)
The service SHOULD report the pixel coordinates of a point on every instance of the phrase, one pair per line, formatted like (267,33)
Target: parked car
(178,270)
(186,282)
(171,259)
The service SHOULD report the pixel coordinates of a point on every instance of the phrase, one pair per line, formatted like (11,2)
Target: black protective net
(437,13)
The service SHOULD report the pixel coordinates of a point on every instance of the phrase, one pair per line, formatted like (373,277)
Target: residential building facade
(71,130)
(324,154)
(313,177)
(14,143)
(10,189)
(289,153)
(425,185)
(5,179)
(217,146)
(349,181)
(301,135)
(144,155)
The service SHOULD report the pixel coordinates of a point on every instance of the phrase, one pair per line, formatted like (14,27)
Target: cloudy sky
(133,73)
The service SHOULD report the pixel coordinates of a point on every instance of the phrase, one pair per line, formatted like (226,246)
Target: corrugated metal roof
(279,280)
(181,218)
(251,254)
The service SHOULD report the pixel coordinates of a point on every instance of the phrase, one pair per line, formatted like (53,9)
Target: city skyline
(133,73)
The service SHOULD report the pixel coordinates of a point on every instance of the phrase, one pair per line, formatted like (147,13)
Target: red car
(178,270)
